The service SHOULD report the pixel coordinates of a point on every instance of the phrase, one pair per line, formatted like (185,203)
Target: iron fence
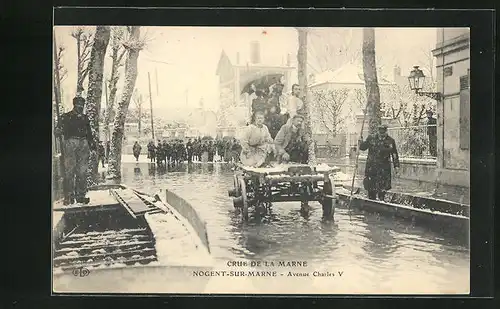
(411,141)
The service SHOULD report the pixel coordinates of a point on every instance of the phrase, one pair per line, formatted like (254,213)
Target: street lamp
(416,80)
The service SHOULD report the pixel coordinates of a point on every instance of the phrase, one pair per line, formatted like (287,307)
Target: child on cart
(256,142)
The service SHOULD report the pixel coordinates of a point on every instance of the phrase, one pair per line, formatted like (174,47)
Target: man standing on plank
(381,148)
(74,126)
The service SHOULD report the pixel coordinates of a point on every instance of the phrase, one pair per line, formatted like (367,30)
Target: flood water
(376,254)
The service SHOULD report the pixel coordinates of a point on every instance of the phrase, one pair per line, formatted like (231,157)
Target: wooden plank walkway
(99,200)
(134,205)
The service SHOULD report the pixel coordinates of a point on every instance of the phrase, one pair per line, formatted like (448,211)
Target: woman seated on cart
(291,142)
(256,142)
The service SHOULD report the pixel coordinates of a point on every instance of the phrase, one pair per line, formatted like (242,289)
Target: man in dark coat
(182,151)
(227,150)
(151,151)
(136,150)
(160,153)
(211,151)
(432,133)
(189,150)
(259,104)
(78,142)
(164,146)
(168,152)
(175,151)
(101,153)
(381,147)
(220,149)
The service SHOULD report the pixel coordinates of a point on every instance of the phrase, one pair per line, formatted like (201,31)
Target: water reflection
(151,169)
(380,244)
(137,171)
(383,248)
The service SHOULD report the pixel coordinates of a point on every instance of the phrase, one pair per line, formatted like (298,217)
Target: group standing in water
(275,133)
(174,152)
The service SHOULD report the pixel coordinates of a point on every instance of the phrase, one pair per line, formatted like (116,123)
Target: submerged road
(379,254)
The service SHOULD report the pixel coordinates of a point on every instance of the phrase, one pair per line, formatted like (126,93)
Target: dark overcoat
(378,162)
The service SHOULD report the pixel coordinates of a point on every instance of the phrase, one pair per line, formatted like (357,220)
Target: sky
(182,61)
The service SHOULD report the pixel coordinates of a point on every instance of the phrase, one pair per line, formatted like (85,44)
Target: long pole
(357,156)
(106,117)
(140,113)
(57,96)
(151,107)
(156,79)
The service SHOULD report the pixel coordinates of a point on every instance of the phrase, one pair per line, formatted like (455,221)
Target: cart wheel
(304,208)
(243,191)
(236,185)
(327,203)
(234,192)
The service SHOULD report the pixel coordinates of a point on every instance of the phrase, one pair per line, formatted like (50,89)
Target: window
(465,111)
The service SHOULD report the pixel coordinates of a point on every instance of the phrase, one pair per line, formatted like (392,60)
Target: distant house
(201,122)
(348,77)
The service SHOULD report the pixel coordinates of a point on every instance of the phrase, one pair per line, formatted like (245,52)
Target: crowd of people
(171,152)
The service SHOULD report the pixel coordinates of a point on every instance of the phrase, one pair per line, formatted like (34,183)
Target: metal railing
(411,142)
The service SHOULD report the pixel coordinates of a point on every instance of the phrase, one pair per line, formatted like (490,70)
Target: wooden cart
(258,188)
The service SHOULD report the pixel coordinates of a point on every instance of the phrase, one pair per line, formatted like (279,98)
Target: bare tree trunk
(302,76)
(117,54)
(370,76)
(57,98)
(83,47)
(134,46)
(139,106)
(96,67)
(79,81)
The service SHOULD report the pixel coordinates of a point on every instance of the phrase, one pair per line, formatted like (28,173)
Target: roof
(271,60)
(347,74)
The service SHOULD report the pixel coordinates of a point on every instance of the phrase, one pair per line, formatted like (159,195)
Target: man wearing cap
(74,126)
(432,133)
(381,148)
(291,142)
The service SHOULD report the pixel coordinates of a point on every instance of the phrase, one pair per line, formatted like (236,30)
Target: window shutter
(464,82)
(464,111)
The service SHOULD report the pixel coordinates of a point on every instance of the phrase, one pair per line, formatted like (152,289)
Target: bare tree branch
(329,104)
(84,40)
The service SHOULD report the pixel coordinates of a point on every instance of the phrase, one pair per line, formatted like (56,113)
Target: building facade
(452,53)
(235,79)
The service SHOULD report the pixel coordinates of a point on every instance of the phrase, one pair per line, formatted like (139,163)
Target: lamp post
(416,80)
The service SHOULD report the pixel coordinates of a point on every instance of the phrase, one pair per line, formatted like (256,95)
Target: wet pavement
(376,254)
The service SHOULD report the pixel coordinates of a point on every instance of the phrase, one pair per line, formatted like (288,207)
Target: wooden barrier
(187,211)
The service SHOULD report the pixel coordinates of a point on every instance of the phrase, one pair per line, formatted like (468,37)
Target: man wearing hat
(74,126)
(432,133)
(291,142)
(381,148)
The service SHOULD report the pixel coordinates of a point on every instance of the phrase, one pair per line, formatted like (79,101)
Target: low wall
(454,182)
(187,211)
